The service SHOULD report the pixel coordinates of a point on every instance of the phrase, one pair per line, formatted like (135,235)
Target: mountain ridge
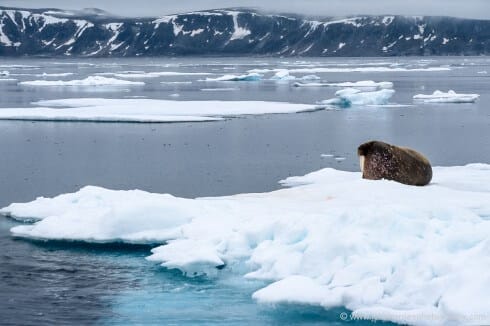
(235,31)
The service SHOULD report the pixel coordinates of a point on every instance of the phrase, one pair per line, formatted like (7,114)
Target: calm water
(67,283)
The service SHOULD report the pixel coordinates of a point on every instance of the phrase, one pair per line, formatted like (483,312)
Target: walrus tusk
(361,162)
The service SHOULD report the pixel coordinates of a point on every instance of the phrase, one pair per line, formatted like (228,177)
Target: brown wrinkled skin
(401,164)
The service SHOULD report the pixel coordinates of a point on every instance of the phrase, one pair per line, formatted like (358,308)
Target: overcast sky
(460,8)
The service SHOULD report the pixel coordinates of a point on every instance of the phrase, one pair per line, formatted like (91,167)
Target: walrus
(380,160)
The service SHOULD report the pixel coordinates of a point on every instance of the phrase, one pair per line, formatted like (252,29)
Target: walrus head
(365,149)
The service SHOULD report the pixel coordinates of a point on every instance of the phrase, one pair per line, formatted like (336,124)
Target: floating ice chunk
(352,96)
(145,110)
(310,77)
(484,72)
(282,75)
(4,73)
(246,77)
(89,81)
(326,155)
(8,80)
(379,248)
(449,97)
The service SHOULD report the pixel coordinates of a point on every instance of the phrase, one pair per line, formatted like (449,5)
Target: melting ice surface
(416,255)
(145,110)
(352,96)
(449,97)
(89,81)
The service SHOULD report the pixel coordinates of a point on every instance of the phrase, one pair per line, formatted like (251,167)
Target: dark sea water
(72,283)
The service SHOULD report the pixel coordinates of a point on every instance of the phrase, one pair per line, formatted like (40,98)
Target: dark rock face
(51,32)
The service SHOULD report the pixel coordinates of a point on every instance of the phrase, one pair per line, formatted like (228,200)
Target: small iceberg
(283,75)
(449,97)
(246,77)
(352,96)
(89,81)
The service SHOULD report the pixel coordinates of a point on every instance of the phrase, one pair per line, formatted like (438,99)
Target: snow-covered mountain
(52,32)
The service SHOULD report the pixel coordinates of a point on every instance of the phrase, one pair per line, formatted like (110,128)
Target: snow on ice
(145,110)
(449,97)
(332,239)
(89,81)
(352,96)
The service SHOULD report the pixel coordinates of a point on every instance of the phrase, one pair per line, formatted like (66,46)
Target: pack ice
(449,97)
(384,250)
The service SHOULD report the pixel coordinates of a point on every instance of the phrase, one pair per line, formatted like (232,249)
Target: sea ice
(358,84)
(89,81)
(449,97)
(309,70)
(384,250)
(145,110)
(246,77)
(283,75)
(352,96)
(130,74)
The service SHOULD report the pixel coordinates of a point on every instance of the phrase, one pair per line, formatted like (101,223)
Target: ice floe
(89,81)
(245,77)
(449,97)
(145,110)
(379,248)
(357,84)
(283,75)
(352,96)
(157,74)
(309,70)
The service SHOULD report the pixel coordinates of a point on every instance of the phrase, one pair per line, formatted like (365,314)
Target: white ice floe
(357,84)
(145,110)
(156,74)
(246,77)
(352,96)
(449,97)
(4,73)
(416,255)
(309,70)
(89,81)
(283,75)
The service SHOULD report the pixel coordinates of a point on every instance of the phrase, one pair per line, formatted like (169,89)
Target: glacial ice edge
(331,239)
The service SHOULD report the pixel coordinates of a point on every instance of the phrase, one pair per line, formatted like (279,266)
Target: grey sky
(459,8)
